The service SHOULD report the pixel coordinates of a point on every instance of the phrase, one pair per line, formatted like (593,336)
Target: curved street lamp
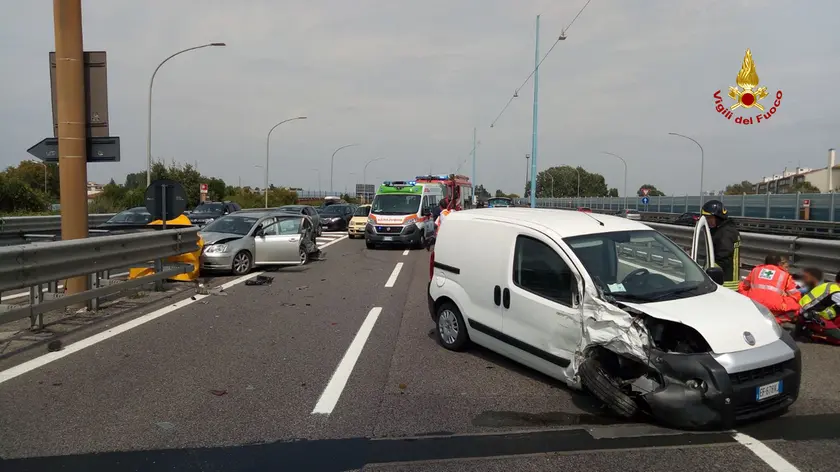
(152,83)
(364,175)
(625,174)
(267,144)
(332,161)
(702,159)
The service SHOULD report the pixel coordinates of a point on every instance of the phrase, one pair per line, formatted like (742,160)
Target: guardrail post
(158,268)
(767,206)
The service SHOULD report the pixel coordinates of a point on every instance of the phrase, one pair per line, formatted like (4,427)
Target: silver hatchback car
(243,240)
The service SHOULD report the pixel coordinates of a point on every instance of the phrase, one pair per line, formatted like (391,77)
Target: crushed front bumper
(727,398)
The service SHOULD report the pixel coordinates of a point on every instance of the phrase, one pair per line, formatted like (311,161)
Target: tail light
(432,266)
(695,217)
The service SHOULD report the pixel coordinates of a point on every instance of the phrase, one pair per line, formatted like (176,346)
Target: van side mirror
(716,274)
(425,212)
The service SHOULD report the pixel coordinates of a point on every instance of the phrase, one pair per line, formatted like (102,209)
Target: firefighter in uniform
(726,240)
(771,285)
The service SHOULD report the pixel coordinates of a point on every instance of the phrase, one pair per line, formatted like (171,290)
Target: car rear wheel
(451,330)
(242,263)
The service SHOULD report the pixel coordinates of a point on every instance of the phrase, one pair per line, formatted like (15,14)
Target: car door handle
(506,298)
(293,240)
(497,295)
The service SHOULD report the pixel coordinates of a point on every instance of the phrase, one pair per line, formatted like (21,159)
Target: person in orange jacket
(772,285)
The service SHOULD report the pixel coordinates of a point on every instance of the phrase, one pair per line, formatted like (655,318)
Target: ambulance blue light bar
(427,177)
(399,183)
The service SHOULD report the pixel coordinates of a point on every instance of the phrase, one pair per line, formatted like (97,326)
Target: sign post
(202,192)
(806,209)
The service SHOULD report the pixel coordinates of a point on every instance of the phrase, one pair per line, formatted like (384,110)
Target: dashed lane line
(393,278)
(332,392)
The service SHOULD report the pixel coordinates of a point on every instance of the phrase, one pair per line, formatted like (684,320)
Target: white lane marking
(393,278)
(769,456)
(332,392)
(405,253)
(60,286)
(33,364)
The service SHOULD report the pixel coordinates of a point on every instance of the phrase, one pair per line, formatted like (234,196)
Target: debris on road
(260,280)
(218,393)
(165,425)
(54,346)
(218,291)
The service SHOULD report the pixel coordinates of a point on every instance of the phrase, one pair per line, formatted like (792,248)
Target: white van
(614,306)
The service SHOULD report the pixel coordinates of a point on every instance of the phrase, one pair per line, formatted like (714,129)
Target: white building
(821,178)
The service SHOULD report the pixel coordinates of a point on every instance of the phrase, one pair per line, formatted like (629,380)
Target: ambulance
(401,213)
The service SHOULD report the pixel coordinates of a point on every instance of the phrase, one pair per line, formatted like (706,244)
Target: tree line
(32,187)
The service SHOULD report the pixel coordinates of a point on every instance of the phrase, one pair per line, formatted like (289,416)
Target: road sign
(96,93)
(165,196)
(645,191)
(202,188)
(645,200)
(806,203)
(103,149)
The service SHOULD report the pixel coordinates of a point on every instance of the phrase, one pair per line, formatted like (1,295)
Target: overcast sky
(408,81)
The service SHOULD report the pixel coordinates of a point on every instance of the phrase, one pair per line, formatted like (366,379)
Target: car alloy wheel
(241,263)
(448,327)
(303,255)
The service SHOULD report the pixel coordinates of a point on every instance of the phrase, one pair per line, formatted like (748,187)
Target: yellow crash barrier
(192,258)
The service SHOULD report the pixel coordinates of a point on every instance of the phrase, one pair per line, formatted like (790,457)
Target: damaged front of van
(660,336)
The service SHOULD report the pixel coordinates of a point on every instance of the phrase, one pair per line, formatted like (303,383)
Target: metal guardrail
(19,225)
(37,264)
(802,252)
(816,229)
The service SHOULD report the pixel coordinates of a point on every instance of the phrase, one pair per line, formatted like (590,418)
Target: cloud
(409,80)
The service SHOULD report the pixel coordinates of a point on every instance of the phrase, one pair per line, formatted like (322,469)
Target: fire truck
(458,189)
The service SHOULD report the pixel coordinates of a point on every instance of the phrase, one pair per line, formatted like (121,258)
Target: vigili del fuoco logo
(748,95)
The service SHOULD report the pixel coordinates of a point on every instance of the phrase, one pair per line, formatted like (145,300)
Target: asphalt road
(333,367)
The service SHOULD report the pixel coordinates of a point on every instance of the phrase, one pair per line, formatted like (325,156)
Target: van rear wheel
(605,388)
(451,329)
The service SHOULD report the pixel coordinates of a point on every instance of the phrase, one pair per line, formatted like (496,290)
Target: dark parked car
(139,216)
(687,219)
(305,210)
(206,212)
(336,217)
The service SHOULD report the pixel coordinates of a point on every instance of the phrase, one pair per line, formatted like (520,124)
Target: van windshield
(395,204)
(640,266)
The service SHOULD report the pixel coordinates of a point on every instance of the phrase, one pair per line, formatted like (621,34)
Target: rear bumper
(728,399)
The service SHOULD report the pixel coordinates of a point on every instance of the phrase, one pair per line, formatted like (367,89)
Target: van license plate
(388,238)
(766,391)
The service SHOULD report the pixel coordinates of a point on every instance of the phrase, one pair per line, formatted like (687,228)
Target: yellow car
(356,226)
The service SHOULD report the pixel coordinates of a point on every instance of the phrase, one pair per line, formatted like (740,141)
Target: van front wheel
(451,329)
(605,388)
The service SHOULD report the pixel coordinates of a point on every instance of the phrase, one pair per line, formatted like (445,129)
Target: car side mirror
(716,274)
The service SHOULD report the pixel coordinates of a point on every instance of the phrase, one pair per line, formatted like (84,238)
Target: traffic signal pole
(72,126)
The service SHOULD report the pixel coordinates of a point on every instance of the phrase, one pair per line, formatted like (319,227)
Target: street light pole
(534,119)
(267,144)
(702,163)
(625,175)
(364,175)
(152,83)
(552,183)
(332,161)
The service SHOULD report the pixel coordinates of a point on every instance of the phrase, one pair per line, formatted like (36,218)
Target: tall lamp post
(332,162)
(151,84)
(702,163)
(364,175)
(552,183)
(625,174)
(267,144)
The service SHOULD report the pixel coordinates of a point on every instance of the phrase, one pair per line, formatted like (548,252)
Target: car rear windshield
(209,208)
